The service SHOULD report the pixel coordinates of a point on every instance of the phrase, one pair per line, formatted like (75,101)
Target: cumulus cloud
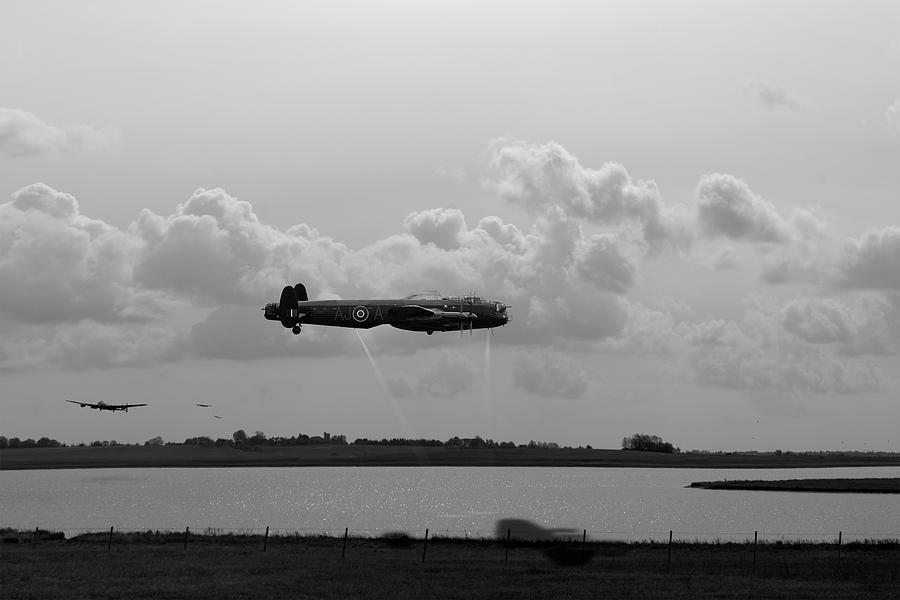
(88,344)
(23,134)
(864,325)
(603,264)
(815,345)
(214,248)
(239,333)
(398,386)
(819,321)
(808,258)
(773,95)
(727,207)
(212,251)
(793,269)
(438,226)
(725,259)
(812,345)
(892,115)
(747,366)
(58,265)
(651,331)
(213,255)
(581,314)
(872,262)
(451,375)
(539,176)
(550,374)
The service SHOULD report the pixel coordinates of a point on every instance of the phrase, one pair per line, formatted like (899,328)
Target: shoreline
(326,455)
(885,485)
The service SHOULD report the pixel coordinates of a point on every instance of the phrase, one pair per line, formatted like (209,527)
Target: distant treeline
(454,442)
(241,440)
(15,442)
(648,443)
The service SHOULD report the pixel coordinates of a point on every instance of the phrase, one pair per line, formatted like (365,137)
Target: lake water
(620,503)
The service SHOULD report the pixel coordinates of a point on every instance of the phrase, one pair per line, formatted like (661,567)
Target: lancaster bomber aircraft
(101,405)
(428,312)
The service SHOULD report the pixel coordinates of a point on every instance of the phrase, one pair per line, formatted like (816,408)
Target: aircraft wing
(82,404)
(456,315)
(125,405)
(414,311)
(411,311)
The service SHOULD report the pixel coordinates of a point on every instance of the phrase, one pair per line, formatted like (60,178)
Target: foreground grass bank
(148,565)
(363,455)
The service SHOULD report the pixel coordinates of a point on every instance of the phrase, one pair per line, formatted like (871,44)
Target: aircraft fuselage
(413,313)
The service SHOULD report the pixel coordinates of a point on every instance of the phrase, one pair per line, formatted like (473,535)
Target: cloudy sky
(692,207)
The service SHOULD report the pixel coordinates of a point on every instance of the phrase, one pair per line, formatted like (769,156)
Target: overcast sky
(692,207)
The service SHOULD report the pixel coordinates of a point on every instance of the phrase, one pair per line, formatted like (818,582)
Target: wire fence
(527,533)
(815,556)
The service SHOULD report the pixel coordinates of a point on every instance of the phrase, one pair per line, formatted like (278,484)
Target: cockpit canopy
(466,299)
(472,299)
(426,295)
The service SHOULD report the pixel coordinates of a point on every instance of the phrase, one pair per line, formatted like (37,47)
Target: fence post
(187,530)
(266,540)
(669,560)
(425,547)
(839,546)
(508,533)
(109,542)
(755,537)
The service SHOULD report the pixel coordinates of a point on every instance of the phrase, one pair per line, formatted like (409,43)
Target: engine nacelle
(271,312)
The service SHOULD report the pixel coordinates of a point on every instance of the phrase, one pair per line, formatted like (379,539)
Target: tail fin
(300,290)
(288,308)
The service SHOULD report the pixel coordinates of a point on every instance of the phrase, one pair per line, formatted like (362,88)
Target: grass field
(360,455)
(149,565)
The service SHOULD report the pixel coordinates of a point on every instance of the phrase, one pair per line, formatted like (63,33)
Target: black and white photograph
(405,299)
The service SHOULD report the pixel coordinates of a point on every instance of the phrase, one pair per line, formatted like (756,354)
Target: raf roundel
(360,314)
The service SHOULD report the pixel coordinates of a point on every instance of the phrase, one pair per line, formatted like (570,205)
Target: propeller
(461,320)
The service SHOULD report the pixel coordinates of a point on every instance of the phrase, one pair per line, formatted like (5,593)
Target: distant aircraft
(428,312)
(101,405)
(203,405)
(217,416)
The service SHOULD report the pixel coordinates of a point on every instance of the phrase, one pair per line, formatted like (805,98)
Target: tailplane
(288,307)
(287,310)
